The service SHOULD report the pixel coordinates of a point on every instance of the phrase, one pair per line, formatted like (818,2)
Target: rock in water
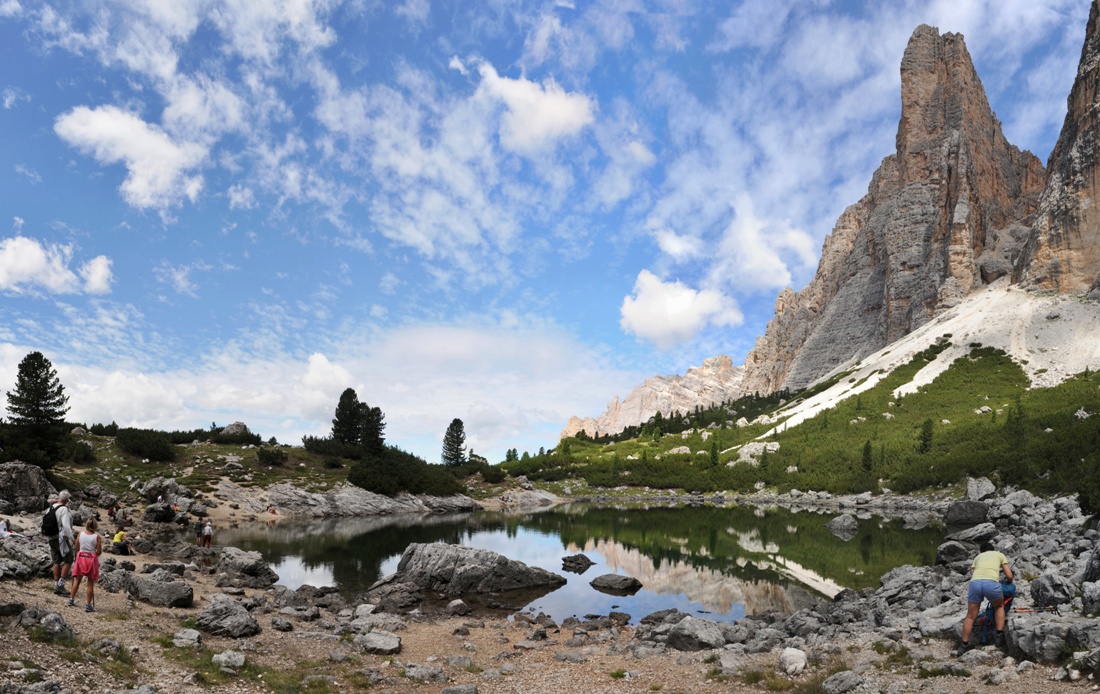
(578,563)
(942,217)
(454,570)
(614,584)
(844,526)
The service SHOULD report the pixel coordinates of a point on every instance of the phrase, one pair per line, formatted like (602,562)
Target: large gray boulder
(1090,596)
(966,513)
(953,551)
(979,489)
(166,487)
(691,634)
(246,569)
(33,555)
(1092,567)
(49,625)
(1042,640)
(1051,590)
(23,488)
(9,568)
(455,570)
(614,584)
(977,534)
(379,643)
(844,526)
(349,500)
(159,513)
(226,617)
(159,588)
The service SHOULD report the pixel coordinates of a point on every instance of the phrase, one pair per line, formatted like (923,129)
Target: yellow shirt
(987,565)
(119,536)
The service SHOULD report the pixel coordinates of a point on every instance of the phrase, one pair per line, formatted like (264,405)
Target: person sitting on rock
(120,543)
(986,584)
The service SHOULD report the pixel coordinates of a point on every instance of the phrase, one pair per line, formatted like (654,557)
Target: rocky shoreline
(224,607)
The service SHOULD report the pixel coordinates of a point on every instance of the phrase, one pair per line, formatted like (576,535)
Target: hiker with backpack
(57,526)
(985,584)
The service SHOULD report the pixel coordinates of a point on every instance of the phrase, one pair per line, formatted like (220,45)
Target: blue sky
(502,211)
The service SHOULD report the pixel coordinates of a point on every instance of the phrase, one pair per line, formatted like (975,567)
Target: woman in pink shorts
(89,545)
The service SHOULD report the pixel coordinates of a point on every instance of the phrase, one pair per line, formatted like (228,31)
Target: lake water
(723,562)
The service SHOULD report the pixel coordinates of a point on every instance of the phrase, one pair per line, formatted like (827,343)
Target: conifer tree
(346,425)
(454,444)
(39,399)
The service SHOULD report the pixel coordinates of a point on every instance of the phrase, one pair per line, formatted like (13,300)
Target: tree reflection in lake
(726,562)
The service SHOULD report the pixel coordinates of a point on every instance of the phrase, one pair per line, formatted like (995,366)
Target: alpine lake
(722,562)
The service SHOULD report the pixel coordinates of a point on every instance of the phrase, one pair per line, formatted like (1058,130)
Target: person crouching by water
(120,544)
(89,545)
(986,584)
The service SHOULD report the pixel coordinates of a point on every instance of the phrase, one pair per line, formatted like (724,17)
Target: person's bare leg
(75,588)
(968,623)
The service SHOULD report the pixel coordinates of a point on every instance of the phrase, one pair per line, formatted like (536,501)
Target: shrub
(145,443)
(492,474)
(397,471)
(275,457)
(104,429)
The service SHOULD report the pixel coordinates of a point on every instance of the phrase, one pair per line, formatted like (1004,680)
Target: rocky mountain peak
(1063,250)
(717,380)
(944,215)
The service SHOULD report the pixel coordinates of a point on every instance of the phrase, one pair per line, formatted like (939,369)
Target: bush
(274,457)
(492,474)
(146,443)
(104,429)
(332,463)
(397,471)
(330,447)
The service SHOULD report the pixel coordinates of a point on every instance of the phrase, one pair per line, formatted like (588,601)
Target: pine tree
(925,437)
(346,425)
(39,399)
(454,444)
(372,428)
(714,454)
(868,463)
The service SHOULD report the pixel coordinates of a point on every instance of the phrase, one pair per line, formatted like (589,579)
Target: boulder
(235,429)
(229,661)
(1090,597)
(966,513)
(48,624)
(159,513)
(691,634)
(425,673)
(160,588)
(1092,567)
(379,643)
(941,620)
(1051,590)
(841,682)
(614,584)
(23,488)
(33,555)
(457,607)
(246,569)
(165,487)
(792,661)
(225,617)
(979,489)
(455,570)
(845,526)
(578,563)
(978,534)
(953,551)
(186,638)
(1041,638)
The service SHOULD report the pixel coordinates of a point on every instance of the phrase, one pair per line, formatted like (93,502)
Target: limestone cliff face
(945,214)
(1063,251)
(713,382)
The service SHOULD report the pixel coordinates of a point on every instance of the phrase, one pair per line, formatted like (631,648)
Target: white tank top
(86,541)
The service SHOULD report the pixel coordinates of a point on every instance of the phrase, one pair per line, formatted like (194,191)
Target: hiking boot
(963,648)
(59,589)
(999,639)
(89,608)
(71,603)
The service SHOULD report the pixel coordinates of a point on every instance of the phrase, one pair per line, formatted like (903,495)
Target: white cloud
(670,313)
(679,247)
(752,250)
(97,275)
(241,197)
(10,8)
(13,96)
(17,223)
(179,277)
(416,11)
(28,266)
(158,168)
(28,173)
(537,115)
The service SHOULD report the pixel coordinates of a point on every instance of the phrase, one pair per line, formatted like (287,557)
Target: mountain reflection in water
(725,562)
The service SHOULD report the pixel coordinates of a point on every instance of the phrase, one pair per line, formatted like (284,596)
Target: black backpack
(50,528)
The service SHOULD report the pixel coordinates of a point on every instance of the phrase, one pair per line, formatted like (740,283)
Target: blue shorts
(984,588)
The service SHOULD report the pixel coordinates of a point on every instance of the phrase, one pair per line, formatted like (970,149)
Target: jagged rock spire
(944,215)
(1063,250)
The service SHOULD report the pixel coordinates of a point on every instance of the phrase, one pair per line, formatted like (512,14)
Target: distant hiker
(57,526)
(207,534)
(89,545)
(198,532)
(120,544)
(986,584)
